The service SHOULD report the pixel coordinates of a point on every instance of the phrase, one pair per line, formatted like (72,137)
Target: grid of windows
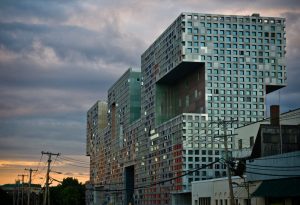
(242,56)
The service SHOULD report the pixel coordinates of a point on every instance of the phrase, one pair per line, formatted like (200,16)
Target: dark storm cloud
(57,133)
(54,10)
(289,96)
(23,74)
(60,58)
(31,149)
(259,4)
(71,42)
(50,76)
(29,90)
(293,50)
(51,73)
(293,29)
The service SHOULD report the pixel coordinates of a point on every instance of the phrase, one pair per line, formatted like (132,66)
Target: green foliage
(5,198)
(69,192)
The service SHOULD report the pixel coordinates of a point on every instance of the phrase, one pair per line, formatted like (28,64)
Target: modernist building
(124,103)
(107,124)
(202,69)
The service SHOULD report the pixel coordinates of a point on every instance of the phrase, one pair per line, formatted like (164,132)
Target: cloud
(289,96)
(293,44)
(35,10)
(38,66)
(8,164)
(70,43)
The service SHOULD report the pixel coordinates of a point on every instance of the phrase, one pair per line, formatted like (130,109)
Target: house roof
(288,187)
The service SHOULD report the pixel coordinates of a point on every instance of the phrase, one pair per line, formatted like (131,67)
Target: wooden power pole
(29,183)
(225,136)
(232,202)
(22,175)
(47,195)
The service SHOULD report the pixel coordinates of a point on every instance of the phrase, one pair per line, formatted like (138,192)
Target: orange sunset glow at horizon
(76,167)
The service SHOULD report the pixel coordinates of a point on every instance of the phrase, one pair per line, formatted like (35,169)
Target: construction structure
(202,69)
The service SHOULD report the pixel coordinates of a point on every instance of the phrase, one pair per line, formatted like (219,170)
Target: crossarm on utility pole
(46,195)
(22,175)
(29,183)
(225,136)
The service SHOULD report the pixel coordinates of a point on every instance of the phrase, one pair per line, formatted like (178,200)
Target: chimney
(274,114)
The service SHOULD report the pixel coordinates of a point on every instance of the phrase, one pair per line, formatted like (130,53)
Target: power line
(39,172)
(38,168)
(74,165)
(56,180)
(159,182)
(278,167)
(272,169)
(275,175)
(55,160)
(225,136)
(74,161)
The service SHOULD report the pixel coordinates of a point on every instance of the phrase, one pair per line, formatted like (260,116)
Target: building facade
(202,69)
(96,123)
(108,124)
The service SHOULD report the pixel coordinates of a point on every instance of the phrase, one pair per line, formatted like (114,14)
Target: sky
(57,58)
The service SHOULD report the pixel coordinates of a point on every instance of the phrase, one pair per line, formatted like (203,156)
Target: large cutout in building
(182,90)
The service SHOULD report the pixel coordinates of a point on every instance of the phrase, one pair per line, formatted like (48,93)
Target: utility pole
(16,201)
(47,195)
(29,183)
(224,125)
(247,187)
(22,175)
(228,168)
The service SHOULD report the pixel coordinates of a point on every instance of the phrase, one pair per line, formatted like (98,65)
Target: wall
(218,190)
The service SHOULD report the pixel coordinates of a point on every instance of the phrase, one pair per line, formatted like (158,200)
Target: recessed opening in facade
(182,90)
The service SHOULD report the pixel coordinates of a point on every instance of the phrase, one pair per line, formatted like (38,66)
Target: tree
(5,198)
(69,192)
